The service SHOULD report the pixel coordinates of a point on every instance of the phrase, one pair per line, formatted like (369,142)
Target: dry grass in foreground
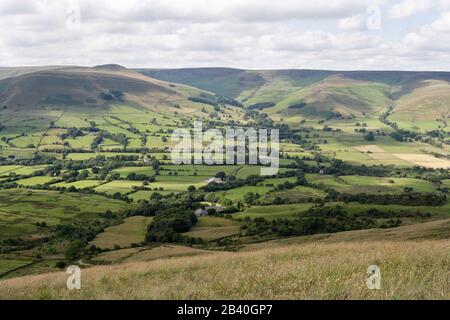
(410,270)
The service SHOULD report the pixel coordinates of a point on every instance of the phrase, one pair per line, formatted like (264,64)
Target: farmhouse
(204,212)
(217,208)
(201,212)
(214,180)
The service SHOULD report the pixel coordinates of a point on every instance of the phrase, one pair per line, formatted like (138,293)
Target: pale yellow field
(424,160)
(148,254)
(382,156)
(375,152)
(370,148)
(409,270)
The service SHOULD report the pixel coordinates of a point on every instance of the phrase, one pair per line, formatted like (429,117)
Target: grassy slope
(410,270)
(433,230)
(426,106)
(413,261)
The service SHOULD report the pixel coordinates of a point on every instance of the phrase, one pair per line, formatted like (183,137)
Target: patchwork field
(21,209)
(360,184)
(19,170)
(104,134)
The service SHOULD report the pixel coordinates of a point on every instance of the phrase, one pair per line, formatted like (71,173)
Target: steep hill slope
(97,86)
(224,81)
(426,104)
(335,96)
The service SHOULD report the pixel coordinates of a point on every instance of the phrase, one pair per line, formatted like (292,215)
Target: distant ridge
(111,66)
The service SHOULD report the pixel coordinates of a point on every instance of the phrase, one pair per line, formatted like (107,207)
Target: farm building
(214,180)
(204,212)
(217,208)
(201,212)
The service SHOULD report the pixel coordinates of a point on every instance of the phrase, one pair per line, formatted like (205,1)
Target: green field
(19,170)
(21,209)
(177,183)
(297,194)
(239,193)
(285,211)
(35,180)
(7,265)
(83,142)
(213,228)
(148,171)
(145,194)
(81,184)
(132,230)
(120,186)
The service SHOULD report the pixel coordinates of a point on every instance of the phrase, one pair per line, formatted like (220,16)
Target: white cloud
(444,4)
(251,34)
(431,37)
(408,8)
(353,23)
(230,10)
(10,7)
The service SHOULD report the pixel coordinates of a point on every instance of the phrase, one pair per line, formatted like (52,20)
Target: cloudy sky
(253,34)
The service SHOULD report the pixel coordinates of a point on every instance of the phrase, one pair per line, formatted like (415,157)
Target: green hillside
(295,95)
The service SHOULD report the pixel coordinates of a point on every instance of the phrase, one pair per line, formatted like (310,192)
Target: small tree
(74,249)
(369,136)
(221,175)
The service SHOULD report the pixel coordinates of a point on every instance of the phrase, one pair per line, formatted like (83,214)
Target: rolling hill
(417,99)
(98,86)
(321,94)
